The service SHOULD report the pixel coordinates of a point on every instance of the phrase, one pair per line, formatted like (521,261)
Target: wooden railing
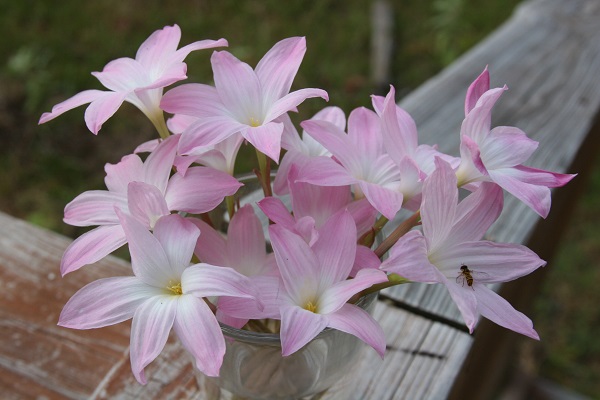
(548,54)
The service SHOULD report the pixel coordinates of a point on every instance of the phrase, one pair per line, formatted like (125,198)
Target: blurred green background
(49,49)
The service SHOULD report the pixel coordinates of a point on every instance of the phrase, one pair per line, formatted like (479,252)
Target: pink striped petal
(238,87)
(211,246)
(278,67)
(200,333)
(183,52)
(476,90)
(325,171)
(123,75)
(490,261)
(465,299)
(94,207)
(408,258)
(334,297)
(299,267)
(336,249)
(87,96)
(160,44)
(506,146)
(536,197)
(92,246)
(208,132)
(384,200)
(200,191)
(498,310)
(105,302)
(146,203)
(298,327)
(476,213)
(364,132)
(148,258)
(266,138)
(205,280)
(365,259)
(539,176)
(118,176)
(476,124)
(178,237)
(193,99)
(336,141)
(269,290)
(246,242)
(356,321)
(101,109)
(438,208)
(150,329)
(158,165)
(290,101)
(398,129)
(277,212)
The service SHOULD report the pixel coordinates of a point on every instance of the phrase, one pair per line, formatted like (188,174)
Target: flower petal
(334,297)
(92,246)
(208,132)
(238,87)
(408,258)
(536,197)
(193,99)
(266,138)
(298,327)
(118,176)
(299,267)
(387,202)
(150,329)
(246,246)
(476,124)
(87,96)
(290,101)
(200,333)
(211,246)
(105,302)
(178,237)
(158,165)
(200,191)
(336,249)
(278,67)
(438,208)
(101,109)
(94,207)
(356,321)
(506,146)
(205,280)
(476,90)
(497,309)
(146,203)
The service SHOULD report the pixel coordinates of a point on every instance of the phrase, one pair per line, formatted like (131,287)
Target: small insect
(467,275)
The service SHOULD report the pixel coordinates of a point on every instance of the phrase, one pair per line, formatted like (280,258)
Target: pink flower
(450,252)
(165,292)
(243,100)
(139,81)
(244,249)
(497,155)
(360,160)
(315,290)
(144,190)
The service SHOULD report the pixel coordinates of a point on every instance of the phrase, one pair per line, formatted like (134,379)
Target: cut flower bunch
(337,185)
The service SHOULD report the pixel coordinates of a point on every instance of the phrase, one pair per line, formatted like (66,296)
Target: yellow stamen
(254,122)
(175,288)
(311,307)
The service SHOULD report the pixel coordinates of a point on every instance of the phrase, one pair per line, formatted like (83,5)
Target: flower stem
(368,238)
(161,126)
(393,280)
(400,231)
(230,202)
(264,175)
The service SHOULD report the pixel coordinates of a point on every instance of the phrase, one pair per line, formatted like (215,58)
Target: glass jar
(254,368)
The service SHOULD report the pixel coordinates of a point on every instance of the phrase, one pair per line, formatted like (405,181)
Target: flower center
(310,307)
(254,122)
(175,287)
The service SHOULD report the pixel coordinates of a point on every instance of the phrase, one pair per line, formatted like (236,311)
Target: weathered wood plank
(548,54)
(57,362)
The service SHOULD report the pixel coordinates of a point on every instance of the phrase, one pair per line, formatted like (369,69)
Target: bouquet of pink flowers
(337,185)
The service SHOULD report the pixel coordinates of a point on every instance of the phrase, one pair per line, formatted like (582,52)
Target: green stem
(230,202)
(393,280)
(368,238)
(264,167)
(161,126)
(400,231)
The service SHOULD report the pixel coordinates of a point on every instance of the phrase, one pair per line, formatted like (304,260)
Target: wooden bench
(548,54)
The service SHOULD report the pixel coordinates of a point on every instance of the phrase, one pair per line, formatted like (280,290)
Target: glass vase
(253,367)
